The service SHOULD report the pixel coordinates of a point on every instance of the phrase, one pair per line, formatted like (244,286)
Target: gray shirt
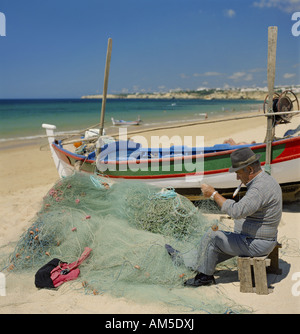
(258,213)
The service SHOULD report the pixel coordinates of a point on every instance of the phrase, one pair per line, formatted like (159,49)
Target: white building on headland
(280,88)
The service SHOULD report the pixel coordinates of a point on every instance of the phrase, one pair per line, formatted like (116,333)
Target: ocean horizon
(22,119)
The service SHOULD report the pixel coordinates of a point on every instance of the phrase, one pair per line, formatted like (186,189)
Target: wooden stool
(274,257)
(253,271)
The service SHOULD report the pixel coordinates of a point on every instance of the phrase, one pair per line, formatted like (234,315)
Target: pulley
(286,101)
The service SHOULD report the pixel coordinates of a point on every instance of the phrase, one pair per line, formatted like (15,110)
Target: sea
(22,119)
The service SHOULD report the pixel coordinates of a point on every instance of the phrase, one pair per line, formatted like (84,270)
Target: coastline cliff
(206,95)
(258,94)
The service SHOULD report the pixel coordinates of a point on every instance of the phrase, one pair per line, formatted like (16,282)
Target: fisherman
(256,217)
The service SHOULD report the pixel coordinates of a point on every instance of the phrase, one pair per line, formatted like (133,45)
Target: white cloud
(287,6)
(207,74)
(241,76)
(211,74)
(237,75)
(288,75)
(229,13)
(248,77)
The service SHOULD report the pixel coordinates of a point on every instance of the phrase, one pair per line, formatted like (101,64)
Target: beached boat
(122,122)
(179,167)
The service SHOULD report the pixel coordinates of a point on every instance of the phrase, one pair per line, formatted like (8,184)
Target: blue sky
(57,49)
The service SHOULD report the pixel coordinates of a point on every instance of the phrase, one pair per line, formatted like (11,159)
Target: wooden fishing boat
(179,167)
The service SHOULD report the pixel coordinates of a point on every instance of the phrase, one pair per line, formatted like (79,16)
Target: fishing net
(126,224)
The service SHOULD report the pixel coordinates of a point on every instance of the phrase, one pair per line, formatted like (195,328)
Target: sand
(27,173)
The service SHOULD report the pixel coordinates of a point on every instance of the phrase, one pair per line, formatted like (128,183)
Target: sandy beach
(27,173)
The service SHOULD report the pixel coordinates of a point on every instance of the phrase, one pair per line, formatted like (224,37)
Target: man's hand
(207,190)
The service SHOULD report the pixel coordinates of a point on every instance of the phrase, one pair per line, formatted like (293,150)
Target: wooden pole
(272,43)
(106,75)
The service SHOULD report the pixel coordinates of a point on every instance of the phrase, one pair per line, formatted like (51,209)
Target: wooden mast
(106,75)
(105,85)
(272,43)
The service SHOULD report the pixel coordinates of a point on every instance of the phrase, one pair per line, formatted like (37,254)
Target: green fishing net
(126,224)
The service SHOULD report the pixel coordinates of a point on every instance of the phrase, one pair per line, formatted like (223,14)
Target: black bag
(42,276)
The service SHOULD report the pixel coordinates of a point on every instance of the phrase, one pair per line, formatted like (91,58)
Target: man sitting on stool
(256,217)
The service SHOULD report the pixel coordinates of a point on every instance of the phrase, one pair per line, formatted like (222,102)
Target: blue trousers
(221,246)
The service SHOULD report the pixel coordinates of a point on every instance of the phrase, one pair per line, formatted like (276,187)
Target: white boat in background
(122,122)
